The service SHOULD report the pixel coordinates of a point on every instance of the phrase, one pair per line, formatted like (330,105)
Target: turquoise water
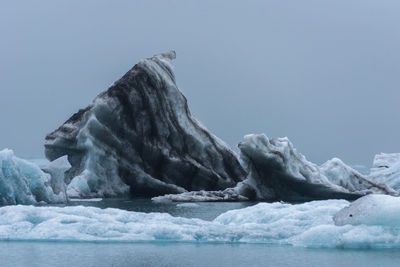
(43,253)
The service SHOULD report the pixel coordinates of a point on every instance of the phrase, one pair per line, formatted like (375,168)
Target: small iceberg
(277,171)
(23,182)
(227,195)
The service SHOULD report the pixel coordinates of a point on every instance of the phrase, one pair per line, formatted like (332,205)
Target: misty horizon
(324,75)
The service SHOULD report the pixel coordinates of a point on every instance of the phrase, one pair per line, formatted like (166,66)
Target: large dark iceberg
(139,137)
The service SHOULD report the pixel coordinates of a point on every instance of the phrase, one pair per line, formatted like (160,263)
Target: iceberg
(57,169)
(229,194)
(309,224)
(139,138)
(278,172)
(386,169)
(23,182)
(380,210)
(343,175)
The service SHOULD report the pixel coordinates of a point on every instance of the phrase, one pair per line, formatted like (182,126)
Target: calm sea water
(183,254)
(174,254)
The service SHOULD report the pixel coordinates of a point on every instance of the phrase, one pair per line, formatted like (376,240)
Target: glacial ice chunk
(139,137)
(278,172)
(309,224)
(229,194)
(23,182)
(57,169)
(386,169)
(343,175)
(374,209)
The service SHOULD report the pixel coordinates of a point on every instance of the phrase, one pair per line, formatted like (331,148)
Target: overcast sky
(326,74)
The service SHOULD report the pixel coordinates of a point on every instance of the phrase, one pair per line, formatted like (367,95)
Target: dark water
(15,254)
(202,210)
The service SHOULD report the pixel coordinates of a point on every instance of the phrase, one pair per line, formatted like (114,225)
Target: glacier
(139,138)
(23,182)
(309,224)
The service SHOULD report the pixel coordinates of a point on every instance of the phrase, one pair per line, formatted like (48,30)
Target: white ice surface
(381,210)
(343,175)
(229,194)
(310,224)
(57,169)
(386,169)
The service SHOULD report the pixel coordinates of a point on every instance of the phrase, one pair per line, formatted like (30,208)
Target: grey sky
(324,73)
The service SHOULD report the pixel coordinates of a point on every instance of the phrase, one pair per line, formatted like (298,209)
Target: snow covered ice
(371,210)
(386,169)
(309,225)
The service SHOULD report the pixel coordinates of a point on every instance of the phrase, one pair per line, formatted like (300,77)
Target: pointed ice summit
(140,137)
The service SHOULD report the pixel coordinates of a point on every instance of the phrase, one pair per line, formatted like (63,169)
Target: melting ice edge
(324,224)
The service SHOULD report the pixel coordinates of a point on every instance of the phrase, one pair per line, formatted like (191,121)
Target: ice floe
(229,194)
(309,224)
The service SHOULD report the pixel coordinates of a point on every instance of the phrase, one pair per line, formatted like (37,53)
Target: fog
(323,73)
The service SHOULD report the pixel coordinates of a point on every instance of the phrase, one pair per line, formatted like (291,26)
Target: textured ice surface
(139,137)
(310,224)
(343,175)
(379,210)
(39,162)
(278,171)
(229,194)
(386,169)
(57,169)
(23,182)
